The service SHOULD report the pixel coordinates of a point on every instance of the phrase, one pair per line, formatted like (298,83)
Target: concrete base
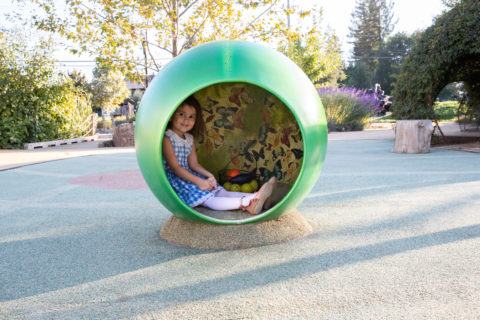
(191,234)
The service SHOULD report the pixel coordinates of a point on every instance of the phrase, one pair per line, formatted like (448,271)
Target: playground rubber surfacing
(394,236)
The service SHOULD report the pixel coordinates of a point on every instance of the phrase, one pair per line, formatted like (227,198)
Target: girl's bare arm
(169,155)
(197,167)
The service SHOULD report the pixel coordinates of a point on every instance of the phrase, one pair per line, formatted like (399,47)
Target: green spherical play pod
(225,62)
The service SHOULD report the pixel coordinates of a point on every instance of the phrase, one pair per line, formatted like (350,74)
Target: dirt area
(460,143)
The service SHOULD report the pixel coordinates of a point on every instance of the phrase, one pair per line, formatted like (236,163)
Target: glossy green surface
(229,61)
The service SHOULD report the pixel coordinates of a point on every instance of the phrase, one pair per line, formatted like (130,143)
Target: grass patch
(444,110)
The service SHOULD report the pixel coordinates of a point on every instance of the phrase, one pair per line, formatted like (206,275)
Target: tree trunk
(413,136)
(93,121)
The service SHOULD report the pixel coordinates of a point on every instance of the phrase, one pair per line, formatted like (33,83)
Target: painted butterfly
(285,133)
(298,153)
(259,154)
(224,121)
(277,172)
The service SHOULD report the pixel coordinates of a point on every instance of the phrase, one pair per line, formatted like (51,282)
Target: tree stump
(123,135)
(413,136)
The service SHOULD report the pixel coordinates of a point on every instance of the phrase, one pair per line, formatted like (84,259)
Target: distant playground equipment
(263,117)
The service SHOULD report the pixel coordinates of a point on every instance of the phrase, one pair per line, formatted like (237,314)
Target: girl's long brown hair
(199,126)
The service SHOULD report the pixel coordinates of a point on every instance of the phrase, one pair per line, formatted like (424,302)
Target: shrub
(348,108)
(37,103)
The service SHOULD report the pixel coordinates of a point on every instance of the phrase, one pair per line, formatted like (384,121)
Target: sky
(412,15)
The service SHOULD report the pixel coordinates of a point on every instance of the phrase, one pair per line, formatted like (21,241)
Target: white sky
(412,15)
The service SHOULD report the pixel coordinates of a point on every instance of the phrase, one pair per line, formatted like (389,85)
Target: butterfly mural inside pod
(285,133)
(268,102)
(258,154)
(298,153)
(234,95)
(238,119)
(224,121)
(245,149)
(266,174)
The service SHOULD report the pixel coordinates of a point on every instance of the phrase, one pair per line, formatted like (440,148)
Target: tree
(108,89)
(37,104)
(372,23)
(79,79)
(392,52)
(358,76)
(448,51)
(131,35)
(317,54)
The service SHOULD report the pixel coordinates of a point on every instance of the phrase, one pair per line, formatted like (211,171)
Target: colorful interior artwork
(249,129)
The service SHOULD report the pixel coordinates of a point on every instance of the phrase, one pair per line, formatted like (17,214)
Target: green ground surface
(444,110)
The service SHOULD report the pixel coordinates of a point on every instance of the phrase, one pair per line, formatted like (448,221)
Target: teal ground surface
(395,236)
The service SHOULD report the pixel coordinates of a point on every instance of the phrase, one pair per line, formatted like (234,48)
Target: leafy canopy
(133,34)
(318,53)
(108,88)
(448,51)
(372,23)
(37,103)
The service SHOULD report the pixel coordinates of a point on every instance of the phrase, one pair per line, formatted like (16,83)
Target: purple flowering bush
(348,108)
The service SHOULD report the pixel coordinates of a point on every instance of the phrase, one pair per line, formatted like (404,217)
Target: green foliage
(450,92)
(444,110)
(36,103)
(131,35)
(446,52)
(108,88)
(372,23)
(317,54)
(394,51)
(358,76)
(347,109)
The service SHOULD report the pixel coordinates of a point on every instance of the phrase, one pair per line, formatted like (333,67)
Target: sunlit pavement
(395,236)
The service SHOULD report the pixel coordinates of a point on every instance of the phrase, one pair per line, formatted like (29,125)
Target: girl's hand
(213,182)
(205,185)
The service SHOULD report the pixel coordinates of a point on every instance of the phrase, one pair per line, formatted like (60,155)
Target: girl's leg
(232,194)
(224,203)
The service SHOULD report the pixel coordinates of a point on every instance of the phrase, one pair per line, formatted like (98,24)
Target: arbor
(448,51)
(131,35)
(37,104)
(372,22)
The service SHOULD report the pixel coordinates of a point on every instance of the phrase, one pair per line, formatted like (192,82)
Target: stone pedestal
(123,135)
(198,235)
(413,136)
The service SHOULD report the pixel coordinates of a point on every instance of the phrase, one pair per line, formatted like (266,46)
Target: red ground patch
(120,180)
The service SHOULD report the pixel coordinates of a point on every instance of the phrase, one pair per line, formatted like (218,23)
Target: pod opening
(251,130)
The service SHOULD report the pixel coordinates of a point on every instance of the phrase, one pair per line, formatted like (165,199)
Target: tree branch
(258,17)
(188,7)
(194,34)
(151,56)
(162,48)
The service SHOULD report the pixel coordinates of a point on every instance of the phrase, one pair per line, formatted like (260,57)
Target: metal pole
(288,14)
(145,56)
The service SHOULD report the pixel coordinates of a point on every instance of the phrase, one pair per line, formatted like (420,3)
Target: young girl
(193,183)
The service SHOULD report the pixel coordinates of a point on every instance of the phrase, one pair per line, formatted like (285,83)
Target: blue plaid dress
(187,191)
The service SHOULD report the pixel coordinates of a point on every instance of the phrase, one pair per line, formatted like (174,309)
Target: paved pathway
(395,236)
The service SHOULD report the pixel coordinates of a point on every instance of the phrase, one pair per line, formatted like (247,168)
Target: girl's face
(183,119)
